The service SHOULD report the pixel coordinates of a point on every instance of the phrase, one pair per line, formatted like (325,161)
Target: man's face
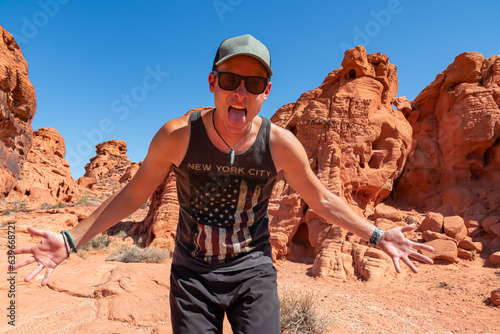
(237,108)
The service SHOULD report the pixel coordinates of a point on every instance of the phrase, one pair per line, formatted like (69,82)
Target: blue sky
(119,69)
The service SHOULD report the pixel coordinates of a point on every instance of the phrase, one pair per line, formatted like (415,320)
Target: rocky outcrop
(110,169)
(357,145)
(45,178)
(455,158)
(17,109)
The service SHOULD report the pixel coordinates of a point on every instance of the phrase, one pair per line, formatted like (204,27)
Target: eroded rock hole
(301,247)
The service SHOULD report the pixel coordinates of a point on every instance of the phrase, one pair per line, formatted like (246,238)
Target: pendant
(231,157)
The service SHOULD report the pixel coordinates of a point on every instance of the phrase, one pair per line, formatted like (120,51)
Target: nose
(241,90)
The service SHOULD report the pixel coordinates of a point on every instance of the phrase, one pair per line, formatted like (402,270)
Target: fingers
(22,263)
(421,257)
(33,273)
(428,248)
(410,264)
(36,232)
(48,272)
(21,250)
(408,228)
(395,260)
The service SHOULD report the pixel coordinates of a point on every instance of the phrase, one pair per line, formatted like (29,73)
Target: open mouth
(237,114)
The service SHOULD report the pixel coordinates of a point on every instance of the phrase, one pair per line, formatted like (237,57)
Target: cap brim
(268,69)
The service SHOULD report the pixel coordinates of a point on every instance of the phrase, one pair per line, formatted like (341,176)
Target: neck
(231,149)
(231,140)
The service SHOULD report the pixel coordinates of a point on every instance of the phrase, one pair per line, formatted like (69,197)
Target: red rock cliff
(17,108)
(455,160)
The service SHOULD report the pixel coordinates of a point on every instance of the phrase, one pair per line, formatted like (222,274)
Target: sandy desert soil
(99,296)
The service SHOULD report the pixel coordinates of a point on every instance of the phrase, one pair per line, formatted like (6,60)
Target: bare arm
(167,148)
(290,157)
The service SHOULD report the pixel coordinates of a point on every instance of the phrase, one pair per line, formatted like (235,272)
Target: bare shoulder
(286,147)
(171,141)
(175,126)
(280,135)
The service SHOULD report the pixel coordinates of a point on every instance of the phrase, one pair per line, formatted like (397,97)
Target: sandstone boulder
(469,244)
(454,227)
(428,235)
(473,224)
(494,245)
(387,212)
(487,223)
(17,109)
(495,258)
(495,297)
(432,222)
(443,250)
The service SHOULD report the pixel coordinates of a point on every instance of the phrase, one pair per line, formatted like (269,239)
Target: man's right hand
(49,253)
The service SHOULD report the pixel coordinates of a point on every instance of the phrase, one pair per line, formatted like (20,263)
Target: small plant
(128,254)
(88,200)
(299,316)
(146,205)
(18,205)
(47,206)
(2,225)
(8,212)
(121,234)
(84,200)
(98,242)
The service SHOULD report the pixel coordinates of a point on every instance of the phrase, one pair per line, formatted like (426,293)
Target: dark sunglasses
(231,81)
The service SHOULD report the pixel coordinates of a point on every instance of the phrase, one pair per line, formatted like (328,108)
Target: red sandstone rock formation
(17,108)
(45,177)
(110,169)
(454,164)
(455,159)
(357,145)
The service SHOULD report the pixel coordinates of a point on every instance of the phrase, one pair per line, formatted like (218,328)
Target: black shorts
(248,297)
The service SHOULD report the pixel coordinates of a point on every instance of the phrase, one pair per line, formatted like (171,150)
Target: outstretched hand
(49,253)
(394,244)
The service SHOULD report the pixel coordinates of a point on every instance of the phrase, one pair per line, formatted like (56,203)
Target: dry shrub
(98,242)
(128,254)
(298,314)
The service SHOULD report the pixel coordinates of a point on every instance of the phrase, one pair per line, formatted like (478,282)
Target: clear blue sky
(119,69)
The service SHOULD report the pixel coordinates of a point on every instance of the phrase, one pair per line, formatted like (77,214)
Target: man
(226,161)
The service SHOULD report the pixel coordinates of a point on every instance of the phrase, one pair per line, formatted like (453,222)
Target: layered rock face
(110,169)
(357,145)
(455,160)
(45,177)
(17,109)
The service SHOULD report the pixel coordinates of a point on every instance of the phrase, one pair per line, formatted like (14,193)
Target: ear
(211,82)
(267,91)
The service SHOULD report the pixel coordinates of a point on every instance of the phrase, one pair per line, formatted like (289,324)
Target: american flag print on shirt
(224,214)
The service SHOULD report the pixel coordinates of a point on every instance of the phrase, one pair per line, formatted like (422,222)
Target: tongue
(237,116)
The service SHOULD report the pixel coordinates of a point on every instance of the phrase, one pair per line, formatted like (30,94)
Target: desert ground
(94,295)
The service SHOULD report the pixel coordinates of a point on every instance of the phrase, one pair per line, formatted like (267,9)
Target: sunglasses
(231,81)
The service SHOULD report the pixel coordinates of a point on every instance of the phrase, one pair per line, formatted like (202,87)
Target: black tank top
(223,217)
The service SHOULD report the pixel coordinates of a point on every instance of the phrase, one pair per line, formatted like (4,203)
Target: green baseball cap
(245,45)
